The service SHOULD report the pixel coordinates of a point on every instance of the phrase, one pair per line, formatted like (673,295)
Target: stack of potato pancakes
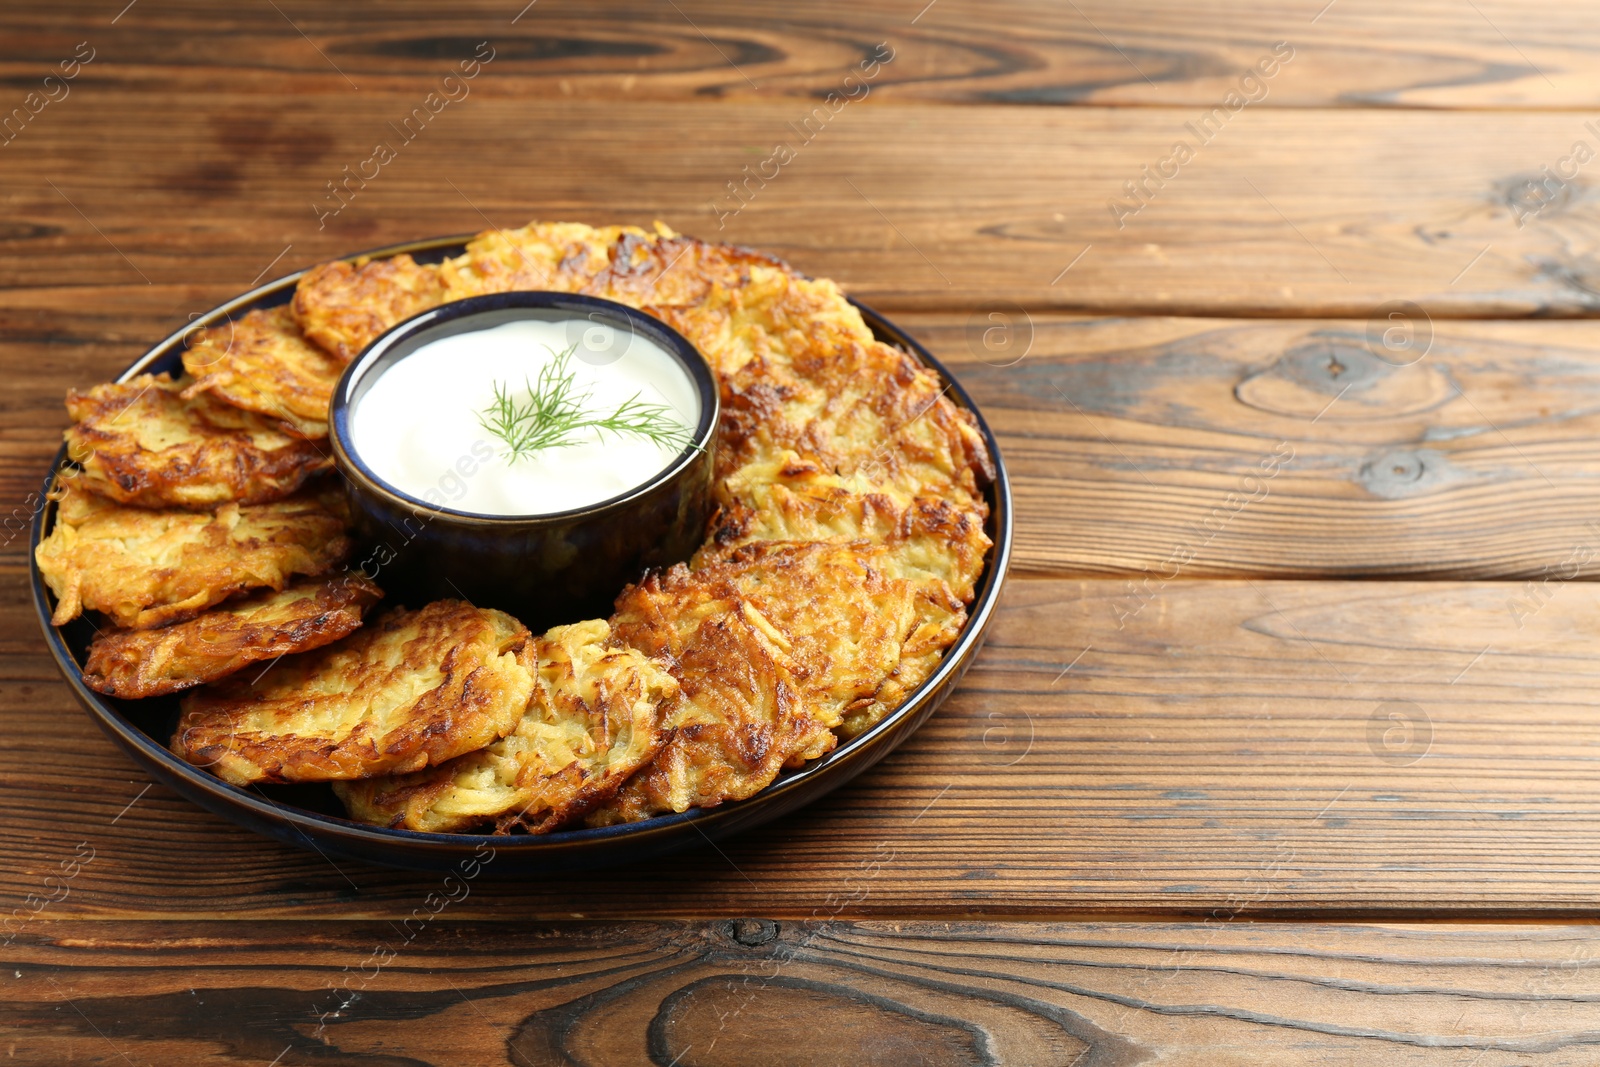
(200,521)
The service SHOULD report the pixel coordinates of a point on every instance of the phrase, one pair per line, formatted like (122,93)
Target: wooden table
(1284,746)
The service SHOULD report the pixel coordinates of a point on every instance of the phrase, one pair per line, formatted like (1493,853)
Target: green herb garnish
(555,414)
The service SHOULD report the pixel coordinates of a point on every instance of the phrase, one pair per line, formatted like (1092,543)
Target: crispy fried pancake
(561,256)
(666,270)
(149,568)
(868,410)
(343,306)
(791,499)
(595,718)
(774,645)
(891,417)
(771,314)
(836,612)
(139,442)
(308,614)
(737,720)
(263,363)
(412,690)
(937,616)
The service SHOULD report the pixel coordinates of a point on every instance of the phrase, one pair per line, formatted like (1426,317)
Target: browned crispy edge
(126,663)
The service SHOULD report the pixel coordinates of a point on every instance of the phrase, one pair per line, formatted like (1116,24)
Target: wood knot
(1400,466)
(752,932)
(725,1020)
(1405,472)
(1331,365)
(1339,376)
(1545,193)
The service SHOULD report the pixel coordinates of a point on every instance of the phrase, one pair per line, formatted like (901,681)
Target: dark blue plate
(309,816)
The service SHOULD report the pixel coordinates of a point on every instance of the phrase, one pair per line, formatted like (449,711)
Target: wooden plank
(1424,53)
(1285,212)
(1276,748)
(1168,447)
(1206,447)
(750,990)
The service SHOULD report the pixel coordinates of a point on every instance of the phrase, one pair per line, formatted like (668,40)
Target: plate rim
(837,767)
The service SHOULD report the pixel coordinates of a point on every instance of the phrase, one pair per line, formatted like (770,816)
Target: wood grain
(1293,213)
(1192,447)
(1363,53)
(1273,748)
(751,991)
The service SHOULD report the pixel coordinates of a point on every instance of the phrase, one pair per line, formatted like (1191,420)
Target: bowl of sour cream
(529,451)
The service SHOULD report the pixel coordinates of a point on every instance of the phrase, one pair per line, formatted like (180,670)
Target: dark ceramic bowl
(310,817)
(543,569)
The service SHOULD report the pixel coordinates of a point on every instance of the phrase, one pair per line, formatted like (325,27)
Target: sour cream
(418,428)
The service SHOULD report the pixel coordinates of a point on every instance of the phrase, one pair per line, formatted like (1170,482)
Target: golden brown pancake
(263,363)
(343,306)
(864,410)
(791,499)
(141,442)
(774,645)
(767,313)
(595,718)
(663,270)
(559,256)
(308,614)
(412,690)
(738,719)
(147,568)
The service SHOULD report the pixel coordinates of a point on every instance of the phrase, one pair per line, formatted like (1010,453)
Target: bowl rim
(842,763)
(342,408)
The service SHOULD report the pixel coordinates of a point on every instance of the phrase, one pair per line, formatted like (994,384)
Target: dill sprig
(554,413)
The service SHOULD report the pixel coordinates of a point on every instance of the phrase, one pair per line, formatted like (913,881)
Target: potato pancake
(736,723)
(773,645)
(667,270)
(733,303)
(560,256)
(790,499)
(306,615)
(773,315)
(140,442)
(836,611)
(863,409)
(148,568)
(939,618)
(263,363)
(343,306)
(412,690)
(595,718)
(936,546)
